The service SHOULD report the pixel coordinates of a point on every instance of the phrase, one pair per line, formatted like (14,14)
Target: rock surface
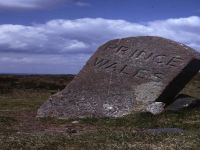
(183,102)
(123,76)
(156,108)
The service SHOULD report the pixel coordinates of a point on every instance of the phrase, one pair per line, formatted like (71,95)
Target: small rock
(156,108)
(75,122)
(183,101)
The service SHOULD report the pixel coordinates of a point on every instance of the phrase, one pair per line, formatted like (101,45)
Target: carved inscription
(109,65)
(146,56)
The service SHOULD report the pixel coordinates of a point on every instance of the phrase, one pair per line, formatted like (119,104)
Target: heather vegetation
(20,97)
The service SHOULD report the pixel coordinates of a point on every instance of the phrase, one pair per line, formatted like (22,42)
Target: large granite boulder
(123,76)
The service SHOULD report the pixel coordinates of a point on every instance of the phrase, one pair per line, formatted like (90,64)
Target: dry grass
(19,129)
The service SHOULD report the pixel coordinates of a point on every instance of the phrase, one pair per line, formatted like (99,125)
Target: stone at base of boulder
(156,108)
(183,101)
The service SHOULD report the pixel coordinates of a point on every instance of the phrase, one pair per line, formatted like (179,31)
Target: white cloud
(33,4)
(23,3)
(19,3)
(72,38)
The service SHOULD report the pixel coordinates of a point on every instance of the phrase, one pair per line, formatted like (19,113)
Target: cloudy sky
(58,36)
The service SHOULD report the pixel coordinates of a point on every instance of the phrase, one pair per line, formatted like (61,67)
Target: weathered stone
(125,75)
(75,122)
(183,102)
(156,108)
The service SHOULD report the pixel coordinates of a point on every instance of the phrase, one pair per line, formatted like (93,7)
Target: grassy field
(20,97)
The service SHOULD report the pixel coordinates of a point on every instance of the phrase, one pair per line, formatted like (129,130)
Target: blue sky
(58,36)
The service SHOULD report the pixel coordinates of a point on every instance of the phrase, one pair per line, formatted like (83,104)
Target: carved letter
(159,59)
(141,54)
(149,56)
(100,62)
(133,53)
(113,66)
(122,49)
(142,73)
(174,61)
(123,69)
(111,46)
(158,76)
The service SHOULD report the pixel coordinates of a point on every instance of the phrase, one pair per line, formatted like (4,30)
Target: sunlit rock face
(125,76)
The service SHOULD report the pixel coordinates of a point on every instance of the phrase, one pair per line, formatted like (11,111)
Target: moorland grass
(19,129)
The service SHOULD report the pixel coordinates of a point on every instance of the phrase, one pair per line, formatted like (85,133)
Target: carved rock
(123,76)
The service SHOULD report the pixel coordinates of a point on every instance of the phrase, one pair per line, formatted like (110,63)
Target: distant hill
(47,82)
(58,82)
